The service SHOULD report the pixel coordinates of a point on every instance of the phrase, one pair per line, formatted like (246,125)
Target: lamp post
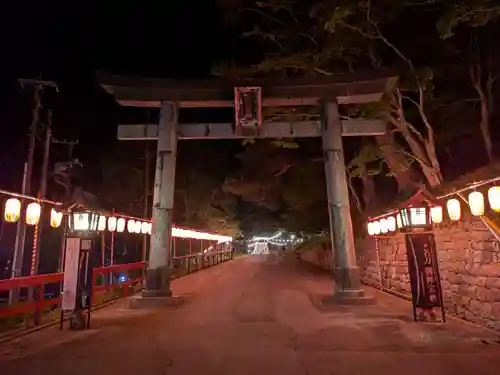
(82,229)
(413,217)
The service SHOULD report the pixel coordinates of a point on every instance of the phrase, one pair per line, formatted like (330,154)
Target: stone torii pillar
(158,272)
(346,271)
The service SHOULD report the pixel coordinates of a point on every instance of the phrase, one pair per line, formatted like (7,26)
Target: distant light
(123,278)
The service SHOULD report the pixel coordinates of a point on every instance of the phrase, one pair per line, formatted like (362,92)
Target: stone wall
(469,259)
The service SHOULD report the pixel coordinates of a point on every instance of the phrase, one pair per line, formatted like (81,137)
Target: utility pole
(35,256)
(146,199)
(17,263)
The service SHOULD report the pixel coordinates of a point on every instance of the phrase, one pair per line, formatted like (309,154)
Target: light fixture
(33,212)
(494,198)
(476,203)
(144,227)
(137,227)
(83,221)
(131,226)
(12,211)
(437,214)
(120,225)
(112,224)
(370,228)
(55,218)
(102,223)
(454,209)
(383,225)
(415,217)
(391,224)
(376,227)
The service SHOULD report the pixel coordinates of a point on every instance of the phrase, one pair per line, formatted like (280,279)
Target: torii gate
(248,97)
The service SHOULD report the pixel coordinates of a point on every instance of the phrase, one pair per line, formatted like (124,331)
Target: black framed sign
(423,268)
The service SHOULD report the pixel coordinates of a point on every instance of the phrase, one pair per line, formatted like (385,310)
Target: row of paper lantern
(12,214)
(475,200)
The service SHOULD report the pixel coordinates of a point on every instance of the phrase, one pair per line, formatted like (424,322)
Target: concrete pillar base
(141,302)
(349,297)
(158,282)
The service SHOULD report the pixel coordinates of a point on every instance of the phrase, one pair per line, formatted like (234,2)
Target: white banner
(71,266)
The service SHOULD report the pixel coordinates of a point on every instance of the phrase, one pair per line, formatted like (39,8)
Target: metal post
(347,275)
(158,272)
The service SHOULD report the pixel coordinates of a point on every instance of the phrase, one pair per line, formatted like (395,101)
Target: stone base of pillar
(349,297)
(157,282)
(348,290)
(141,302)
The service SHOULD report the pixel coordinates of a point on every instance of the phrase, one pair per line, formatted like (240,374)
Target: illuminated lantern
(112,224)
(150,228)
(415,217)
(398,221)
(12,210)
(120,225)
(369,227)
(83,221)
(454,209)
(131,226)
(102,223)
(376,227)
(383,225)
(494,198)
(55,218)
(33,212)
(144,227)
(476,203)
(137,227)
(391,224)
(437,214)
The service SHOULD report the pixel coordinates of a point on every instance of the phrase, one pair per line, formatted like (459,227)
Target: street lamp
(415,217)
(83,222)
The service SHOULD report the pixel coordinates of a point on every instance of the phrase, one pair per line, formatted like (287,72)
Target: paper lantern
(376,227)
(137,227)
(454,209)
(391,224)
(55,218)
(112,224)
(120,225)
(476,203)
(131,226)
(494,198)
(150,228)
(33,212)
(144,227)
(12,211)
(101,225)
(383,226)
(370,228)
(437,214)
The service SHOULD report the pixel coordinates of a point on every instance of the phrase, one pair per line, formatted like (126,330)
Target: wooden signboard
(424,274)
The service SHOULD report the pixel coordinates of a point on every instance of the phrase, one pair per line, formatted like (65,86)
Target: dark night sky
(69,43)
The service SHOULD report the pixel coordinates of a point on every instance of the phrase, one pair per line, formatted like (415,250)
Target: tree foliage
(441,50)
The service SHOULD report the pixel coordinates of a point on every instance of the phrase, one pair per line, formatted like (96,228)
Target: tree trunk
(395,160)
(485,99)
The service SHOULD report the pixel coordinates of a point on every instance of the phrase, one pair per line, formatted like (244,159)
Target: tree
(325,38)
